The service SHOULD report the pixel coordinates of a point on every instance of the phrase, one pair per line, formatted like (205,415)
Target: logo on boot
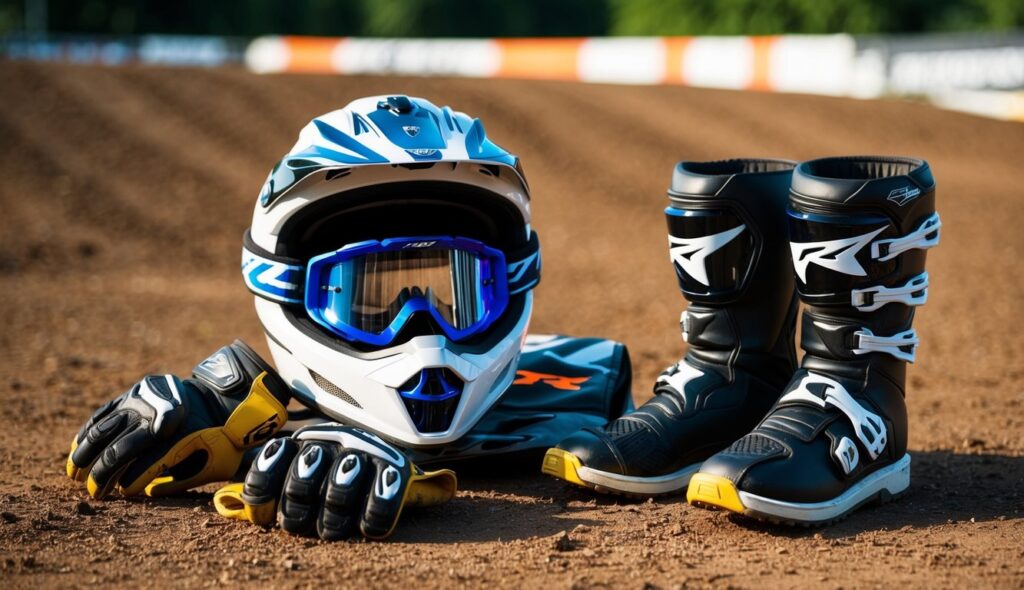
(902,196)
(837,255)
(690,253)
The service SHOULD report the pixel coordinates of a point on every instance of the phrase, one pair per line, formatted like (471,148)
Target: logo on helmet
(411,130)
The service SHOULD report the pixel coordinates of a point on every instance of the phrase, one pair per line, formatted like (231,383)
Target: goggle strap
(523,266)
(273,277)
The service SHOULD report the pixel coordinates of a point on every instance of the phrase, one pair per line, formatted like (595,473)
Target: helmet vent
(337,173)
(431,398)
(332,389)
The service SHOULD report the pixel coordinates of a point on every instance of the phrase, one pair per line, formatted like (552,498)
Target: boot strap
(913,293)
(895,345)
(925,236)
(868,426)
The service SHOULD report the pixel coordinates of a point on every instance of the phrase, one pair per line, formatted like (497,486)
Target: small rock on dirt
(85,509)
(562,542)
(9,517)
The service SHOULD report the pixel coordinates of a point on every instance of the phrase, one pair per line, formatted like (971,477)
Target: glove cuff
(231,370)
(258,417)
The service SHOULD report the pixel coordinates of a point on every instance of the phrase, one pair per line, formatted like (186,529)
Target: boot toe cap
(593,450)
(768,469)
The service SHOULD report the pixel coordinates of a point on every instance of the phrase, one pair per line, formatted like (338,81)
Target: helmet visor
(366,292)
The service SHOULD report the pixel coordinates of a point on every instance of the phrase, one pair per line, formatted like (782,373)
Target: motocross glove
(334,482)
(166,435)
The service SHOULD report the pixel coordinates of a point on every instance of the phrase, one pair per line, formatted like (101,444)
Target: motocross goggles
(368,291)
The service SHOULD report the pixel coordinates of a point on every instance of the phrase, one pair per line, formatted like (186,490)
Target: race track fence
(977,73)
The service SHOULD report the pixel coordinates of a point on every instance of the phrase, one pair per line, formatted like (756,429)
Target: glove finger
(101,413)
(303,488)
(384,503)
(115,459)
(148,465)
(93,442)
(265,480)
(348,484)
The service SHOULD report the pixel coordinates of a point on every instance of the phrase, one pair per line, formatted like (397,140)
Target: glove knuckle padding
(158,401)
(303,488)
(347,484)
(384,504)
(333,481)
(265,481)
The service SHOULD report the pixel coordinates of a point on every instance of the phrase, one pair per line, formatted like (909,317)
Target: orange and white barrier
(819,63)
(983,76)
(987,103)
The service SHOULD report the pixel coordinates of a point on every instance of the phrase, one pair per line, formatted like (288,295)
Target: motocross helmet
(392,260)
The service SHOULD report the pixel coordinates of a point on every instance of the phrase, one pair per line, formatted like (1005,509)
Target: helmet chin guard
(393,269)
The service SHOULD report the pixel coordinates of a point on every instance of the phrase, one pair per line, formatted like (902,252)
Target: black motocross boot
(859,229)
(727,242)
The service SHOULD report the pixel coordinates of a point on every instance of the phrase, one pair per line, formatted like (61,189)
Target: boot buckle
(868,427)
(925,236)
(913,293)
(868,342)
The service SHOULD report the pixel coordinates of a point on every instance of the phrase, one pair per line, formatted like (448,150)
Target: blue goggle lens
(366,292)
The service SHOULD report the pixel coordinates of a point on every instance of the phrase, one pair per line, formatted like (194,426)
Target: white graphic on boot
(690,253)
(868,427)
(684,373)
(837,255)
(847,454)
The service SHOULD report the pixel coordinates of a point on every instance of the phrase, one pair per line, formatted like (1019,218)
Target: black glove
(333,481)
(166,435)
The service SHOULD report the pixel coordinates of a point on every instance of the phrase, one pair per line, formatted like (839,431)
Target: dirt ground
(123,197)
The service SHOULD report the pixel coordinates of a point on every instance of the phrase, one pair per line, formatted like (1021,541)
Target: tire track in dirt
(140,169)
(83,191)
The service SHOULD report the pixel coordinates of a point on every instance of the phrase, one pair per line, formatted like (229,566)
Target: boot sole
(882,486)
(568,467)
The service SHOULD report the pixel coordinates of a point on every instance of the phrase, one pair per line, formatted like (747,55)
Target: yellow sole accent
(714,490)
(563,465)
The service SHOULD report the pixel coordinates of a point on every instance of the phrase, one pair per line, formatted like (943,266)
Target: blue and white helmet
(392,260)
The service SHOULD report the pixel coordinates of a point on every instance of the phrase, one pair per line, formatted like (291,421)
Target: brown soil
(123,196)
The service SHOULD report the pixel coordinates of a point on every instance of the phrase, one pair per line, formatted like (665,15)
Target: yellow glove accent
(426,488)
(254,420)
(230,504)
(431,488)
(257,418)
(74,472)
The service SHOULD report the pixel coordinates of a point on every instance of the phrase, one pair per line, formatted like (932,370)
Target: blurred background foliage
(507,18)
